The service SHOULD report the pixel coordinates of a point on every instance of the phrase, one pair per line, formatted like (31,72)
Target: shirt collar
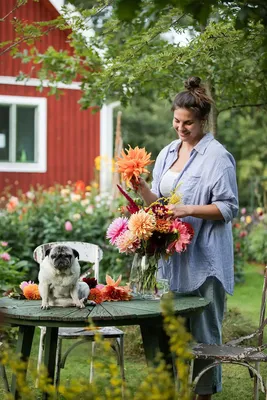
(200,147)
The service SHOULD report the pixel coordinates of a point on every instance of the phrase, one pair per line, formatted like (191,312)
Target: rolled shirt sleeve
(225,194)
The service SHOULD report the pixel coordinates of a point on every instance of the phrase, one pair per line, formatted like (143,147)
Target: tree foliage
(135,63)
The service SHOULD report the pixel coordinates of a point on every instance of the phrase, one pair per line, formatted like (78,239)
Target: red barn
(45,140)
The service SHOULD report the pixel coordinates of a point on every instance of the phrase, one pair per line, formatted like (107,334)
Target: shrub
(62,213)
(257,243)
(240,249)
(12,270)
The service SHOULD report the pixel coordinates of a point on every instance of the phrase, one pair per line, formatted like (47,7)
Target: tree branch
(242,106)
(24,38)
(11,11)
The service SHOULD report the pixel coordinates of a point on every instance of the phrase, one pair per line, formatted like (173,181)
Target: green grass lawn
(237,385)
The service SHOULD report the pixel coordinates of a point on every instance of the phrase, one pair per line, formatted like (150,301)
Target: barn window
(22,134)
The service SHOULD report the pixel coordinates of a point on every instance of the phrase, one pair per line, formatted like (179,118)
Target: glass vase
(143,278)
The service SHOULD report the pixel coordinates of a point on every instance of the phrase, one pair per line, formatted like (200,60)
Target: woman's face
(188,127)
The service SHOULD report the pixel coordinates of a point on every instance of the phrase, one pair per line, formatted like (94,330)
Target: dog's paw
(79,304)
(45,306)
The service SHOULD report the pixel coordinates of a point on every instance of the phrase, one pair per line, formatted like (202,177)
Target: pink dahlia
(117,228)
(183,237)
(127,242)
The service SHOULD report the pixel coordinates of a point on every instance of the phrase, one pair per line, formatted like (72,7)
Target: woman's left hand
(180,211)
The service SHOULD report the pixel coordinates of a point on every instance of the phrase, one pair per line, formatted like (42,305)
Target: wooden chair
(233,353)
(90,253)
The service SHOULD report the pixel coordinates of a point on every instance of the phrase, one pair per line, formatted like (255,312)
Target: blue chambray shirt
(207,178)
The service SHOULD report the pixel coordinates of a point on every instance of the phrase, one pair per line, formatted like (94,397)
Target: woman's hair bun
(192,83)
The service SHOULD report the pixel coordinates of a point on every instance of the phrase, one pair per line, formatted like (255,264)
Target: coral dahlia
(142,224)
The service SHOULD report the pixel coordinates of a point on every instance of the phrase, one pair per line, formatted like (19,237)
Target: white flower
(75,197)
(89,209)
(64,192)
(76,217)
(85,202)
(97,198)
(87,194)
(30,195)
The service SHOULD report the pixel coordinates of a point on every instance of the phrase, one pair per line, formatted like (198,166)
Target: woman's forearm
(209,211)
(146,194)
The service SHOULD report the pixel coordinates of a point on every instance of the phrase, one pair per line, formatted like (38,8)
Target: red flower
(132,206)
(79,187)
(190,229)
(91,282)
(113,293)
(96,295)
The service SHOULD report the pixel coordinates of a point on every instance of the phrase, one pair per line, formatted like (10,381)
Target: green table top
(29,312)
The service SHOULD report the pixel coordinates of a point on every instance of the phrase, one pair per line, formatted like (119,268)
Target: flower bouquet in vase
(149,232)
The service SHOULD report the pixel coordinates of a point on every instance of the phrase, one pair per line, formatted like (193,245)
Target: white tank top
(166,183)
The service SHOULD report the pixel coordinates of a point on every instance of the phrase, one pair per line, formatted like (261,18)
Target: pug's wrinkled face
(61,257)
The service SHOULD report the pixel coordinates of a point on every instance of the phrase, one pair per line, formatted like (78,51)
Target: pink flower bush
(68,226)
(4,244)
(116,228)
(5,256)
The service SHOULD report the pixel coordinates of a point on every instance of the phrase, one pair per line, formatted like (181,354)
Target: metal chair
(3,374)
(92,253)
(233,353)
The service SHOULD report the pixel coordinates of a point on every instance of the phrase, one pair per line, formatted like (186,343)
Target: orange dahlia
(31,292)
(163,225)
(96,296)
(132,164)
(142,224)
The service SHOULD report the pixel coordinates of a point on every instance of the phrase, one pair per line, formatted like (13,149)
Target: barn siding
(73,135)
(73,140)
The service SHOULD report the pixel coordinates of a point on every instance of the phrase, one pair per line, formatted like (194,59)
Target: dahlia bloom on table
(111,291)
(150,232)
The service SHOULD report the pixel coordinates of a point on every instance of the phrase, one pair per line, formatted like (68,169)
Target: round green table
(26,314)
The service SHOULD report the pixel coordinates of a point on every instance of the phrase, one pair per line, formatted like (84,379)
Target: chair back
(263,320)
(88,252)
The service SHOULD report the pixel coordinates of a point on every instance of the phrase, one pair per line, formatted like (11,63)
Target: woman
(204,172)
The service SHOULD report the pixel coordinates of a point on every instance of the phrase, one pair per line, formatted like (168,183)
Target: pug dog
(59,275)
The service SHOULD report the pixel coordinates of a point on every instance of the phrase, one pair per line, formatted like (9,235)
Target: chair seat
(228,353)
(106,332)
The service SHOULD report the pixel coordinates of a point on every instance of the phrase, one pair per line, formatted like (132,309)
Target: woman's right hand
(144,191)
(142,186)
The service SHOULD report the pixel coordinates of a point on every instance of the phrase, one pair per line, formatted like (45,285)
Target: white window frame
(40,165)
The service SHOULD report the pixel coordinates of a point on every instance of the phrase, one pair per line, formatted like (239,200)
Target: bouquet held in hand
(150,231)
